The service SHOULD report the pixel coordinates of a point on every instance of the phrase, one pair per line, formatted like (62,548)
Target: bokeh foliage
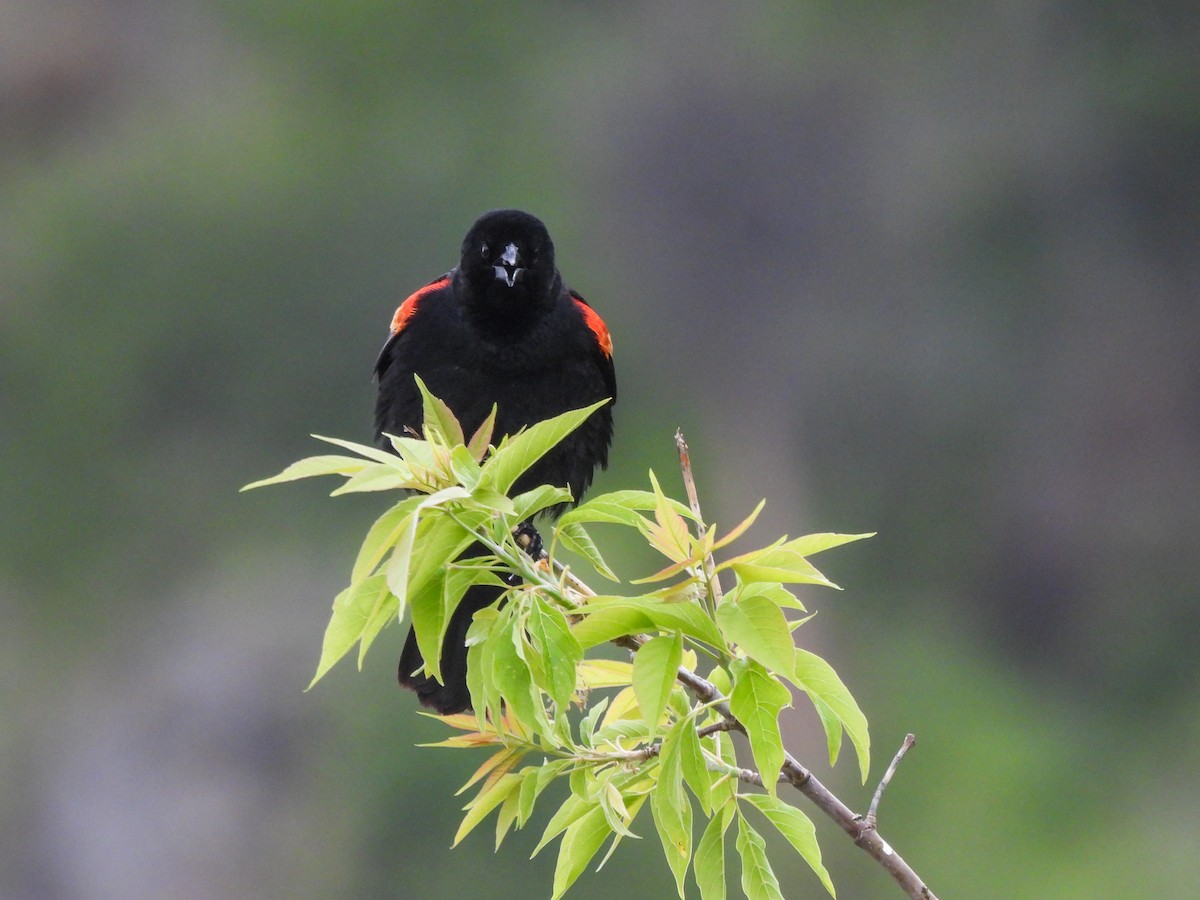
(919,270)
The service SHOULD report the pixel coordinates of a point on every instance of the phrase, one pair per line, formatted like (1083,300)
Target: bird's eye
(483,251)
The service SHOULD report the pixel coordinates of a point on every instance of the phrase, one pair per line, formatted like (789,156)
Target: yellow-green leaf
(312,467)
(674,823)
(511,461)
(654,669)
(758,626)
(756,700)
(582,839)
(488,798)
(819,680)
(758,880)
(709,864)
(740,528)
(797,828)
(352,610)
(439,420)
(381,537)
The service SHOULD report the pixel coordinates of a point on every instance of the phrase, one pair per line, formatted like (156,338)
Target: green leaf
(739,529)
(773,591)
(529,504)
(709,865)
(466,469)
(633,805)
(384,613)
(756,700)
(492,501)
(582,839)
(572,810)
(352,610)
(481,680)
(434,603)
(512,460)
(674,824)
(508,814)
(551,636)
(606,624)
(530,788)
(513,678)
(573,536)
(380,456)
(545,774)
(381,538)
(396,572)
(437,417)
(669,786)
(820,681)
(691,758)
(612,801)
(654,668)
(312,467)
(797,828)
(668,533)
(427,613)
(786,561)
(416,452)
(587,724)
(609,617)
(817,543)
(374,477)
(758,626)
(724,790)
(620,508)
(775,564)
(442,541)
(832,725)
(491,795)
(758,881)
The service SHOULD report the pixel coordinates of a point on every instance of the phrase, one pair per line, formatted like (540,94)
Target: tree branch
(861,829)
(862,832)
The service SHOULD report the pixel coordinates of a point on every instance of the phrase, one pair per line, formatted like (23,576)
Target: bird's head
(508,260)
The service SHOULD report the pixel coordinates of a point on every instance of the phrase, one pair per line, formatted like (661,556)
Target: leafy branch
(622,734)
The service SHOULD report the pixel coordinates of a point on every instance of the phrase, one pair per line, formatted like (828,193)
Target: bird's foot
(528,539)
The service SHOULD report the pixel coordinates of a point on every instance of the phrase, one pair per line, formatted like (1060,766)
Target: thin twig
(689,479)
(909,740)
(689,484)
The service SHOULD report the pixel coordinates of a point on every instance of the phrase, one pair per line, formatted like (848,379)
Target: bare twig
(689,479)
(909,740)
(689,484)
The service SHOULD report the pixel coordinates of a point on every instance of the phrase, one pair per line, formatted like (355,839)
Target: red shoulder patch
(409,306)
(595,323)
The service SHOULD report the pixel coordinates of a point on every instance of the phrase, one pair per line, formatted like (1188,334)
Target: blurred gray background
(929,270)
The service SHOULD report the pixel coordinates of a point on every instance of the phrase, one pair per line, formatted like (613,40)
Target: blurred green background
(930,270)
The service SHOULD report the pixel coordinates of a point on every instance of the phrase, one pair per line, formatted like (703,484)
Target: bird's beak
(509,270)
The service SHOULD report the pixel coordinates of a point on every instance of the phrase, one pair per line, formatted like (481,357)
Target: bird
(499,329)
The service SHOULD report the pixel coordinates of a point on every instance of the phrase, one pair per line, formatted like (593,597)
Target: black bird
(500,328)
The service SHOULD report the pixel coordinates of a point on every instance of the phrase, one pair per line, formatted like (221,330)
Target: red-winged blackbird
(501,328)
